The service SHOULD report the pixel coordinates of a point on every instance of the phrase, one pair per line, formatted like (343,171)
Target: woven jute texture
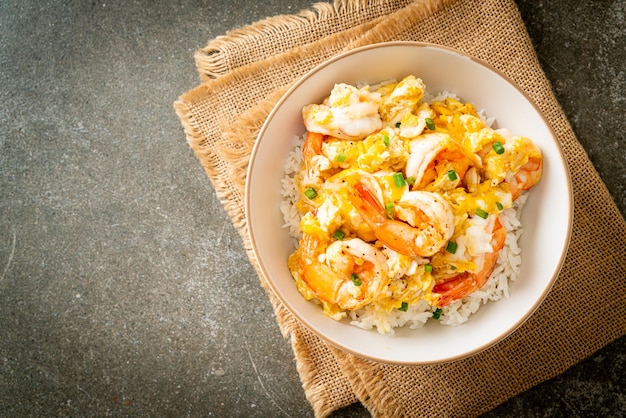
(247,70)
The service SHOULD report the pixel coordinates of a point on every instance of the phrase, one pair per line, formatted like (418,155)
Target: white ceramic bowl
(546,218)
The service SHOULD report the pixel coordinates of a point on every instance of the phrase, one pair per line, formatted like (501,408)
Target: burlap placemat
(245,73)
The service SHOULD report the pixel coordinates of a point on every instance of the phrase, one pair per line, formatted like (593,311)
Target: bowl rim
(301,318)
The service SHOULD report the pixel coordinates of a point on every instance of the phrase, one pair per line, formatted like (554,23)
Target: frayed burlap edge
(402,20)
(251,43)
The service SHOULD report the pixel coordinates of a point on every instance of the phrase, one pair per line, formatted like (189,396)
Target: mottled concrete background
(124,289)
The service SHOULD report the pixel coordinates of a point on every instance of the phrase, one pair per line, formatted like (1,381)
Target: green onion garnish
(404,307)
(452,267)
(428,268)
(481,213)
(499,206)
(340,158)
(452,175)
(398,179)
(497,147)
(451,247)
(356,279)
(339,235)
(389,210)
(410,180)
(437,313)
(430,124)
(398,124)
(310,193)
(386,140)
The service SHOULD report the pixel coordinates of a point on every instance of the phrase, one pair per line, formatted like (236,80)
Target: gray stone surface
(124,289)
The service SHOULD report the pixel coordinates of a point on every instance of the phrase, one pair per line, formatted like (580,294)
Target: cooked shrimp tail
(426,226)
(458,287)
(312,147)
(349,274)
(528,176)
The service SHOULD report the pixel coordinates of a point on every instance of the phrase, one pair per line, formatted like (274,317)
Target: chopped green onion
(410,180)
(428,268)
(398,179)
(310,193)
(339,234)
(481,213)
(452,175)
(451,247)
(398,124)
(497,147)
(340,158)
(499,206)
(430,124)
(404,307)
(356,280)
(386,140)
(452,267)
(437,313)
(389,209)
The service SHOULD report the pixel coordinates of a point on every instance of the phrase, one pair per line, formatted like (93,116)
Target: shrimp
(432,156)
(348,113)
(349,273)
(315,161)
(457,287)
(519,164)
(312,147)
(426,226)
(527,176)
